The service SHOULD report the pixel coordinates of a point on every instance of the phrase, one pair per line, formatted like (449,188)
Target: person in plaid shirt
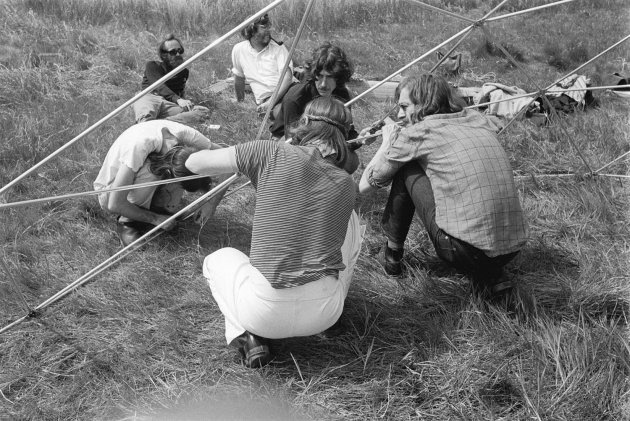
(447,165)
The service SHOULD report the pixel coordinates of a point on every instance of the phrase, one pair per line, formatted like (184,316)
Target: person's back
(303,203)
(471,177)
(306,236)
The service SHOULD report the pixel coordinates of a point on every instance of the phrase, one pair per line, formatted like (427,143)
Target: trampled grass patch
(144,339)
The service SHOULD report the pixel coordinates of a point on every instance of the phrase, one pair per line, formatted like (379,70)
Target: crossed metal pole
(33,312)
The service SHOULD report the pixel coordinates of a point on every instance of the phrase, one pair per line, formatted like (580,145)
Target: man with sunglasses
(259,60)
(167,101)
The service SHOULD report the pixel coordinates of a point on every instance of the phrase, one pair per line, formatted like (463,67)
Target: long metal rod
(364,93)
(525,177)
(465,33)
(160,81)
(460,33)
(95,192)
(449,52)
(509,123)
(520,12)
(544,98)
(613,161)
(487,15)
(515,97)
(125,251)
(274,96)
(140,240)
(590,61)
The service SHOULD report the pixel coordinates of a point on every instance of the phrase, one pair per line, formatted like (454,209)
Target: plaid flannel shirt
(476,199)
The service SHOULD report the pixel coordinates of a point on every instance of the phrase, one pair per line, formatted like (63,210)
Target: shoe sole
(257,357)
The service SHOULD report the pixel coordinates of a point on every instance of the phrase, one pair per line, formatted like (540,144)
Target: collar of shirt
(253,51)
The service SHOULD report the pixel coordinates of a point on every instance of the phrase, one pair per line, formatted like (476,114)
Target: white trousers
(249,302)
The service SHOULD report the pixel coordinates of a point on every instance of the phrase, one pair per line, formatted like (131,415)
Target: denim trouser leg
(411,192)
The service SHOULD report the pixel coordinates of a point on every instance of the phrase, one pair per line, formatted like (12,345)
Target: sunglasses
(175,52)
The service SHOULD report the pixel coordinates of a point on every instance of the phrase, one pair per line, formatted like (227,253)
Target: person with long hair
(327,74)
(151,151)
(447,165)
(305,236)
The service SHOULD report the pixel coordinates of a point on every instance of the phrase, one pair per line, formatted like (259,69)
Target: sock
(395,246)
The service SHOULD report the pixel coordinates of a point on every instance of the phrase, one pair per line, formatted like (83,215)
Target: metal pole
(95,192)
(362,94)
(272,101)
(123,252)
(144,92)
(520,12)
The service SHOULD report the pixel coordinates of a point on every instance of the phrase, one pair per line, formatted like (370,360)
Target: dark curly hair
(249,31)
(160,49)
(333,59)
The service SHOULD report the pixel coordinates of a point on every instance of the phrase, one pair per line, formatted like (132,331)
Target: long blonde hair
(327,121)
(431,94)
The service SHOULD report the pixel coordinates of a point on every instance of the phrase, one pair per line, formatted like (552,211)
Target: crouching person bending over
(305,238)
(151,151)
(448,166)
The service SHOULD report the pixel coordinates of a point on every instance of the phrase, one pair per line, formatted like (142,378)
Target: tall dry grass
(144,340)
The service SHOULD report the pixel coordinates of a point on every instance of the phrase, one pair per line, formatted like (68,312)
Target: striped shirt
(303,204)
(475,197)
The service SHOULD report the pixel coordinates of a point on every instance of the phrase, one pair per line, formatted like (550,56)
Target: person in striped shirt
(305,236)
(448,166)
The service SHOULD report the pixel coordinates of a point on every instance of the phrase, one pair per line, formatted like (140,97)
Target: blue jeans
(411,193)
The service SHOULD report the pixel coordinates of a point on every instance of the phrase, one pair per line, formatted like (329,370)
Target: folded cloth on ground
(492,91)
(571,82)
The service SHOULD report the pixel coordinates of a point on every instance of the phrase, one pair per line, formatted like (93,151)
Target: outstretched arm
(213,162)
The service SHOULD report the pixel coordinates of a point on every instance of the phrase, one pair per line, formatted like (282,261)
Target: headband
(328,121)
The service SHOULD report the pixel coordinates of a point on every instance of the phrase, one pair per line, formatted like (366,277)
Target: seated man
(305,237)
(448,166)
(167,100)
(327,75)
(146,152)
(260,61)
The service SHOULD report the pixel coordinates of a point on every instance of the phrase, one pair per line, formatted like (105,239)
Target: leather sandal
(254,350)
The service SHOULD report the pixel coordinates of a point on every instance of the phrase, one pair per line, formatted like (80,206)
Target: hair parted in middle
(249,31)
(332,59)
(173,165)
(160,50)
(431,94)
(326,121)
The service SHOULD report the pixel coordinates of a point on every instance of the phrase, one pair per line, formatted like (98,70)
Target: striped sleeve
(252,158)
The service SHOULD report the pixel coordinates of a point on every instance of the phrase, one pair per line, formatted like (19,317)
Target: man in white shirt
(151,151)
(260,61)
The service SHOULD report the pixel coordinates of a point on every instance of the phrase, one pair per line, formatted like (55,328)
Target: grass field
(144,340)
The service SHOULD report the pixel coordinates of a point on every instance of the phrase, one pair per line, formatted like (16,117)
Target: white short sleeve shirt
(135,144)
(260,69)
